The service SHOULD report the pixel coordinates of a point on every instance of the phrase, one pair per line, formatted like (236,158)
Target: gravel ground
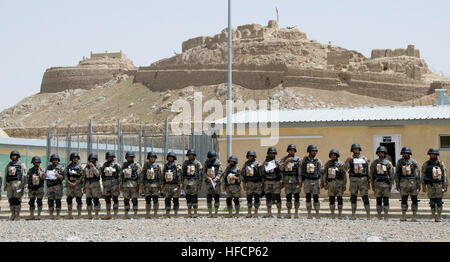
(222,229)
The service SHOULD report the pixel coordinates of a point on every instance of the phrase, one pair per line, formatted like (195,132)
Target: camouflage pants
(93,190)
(130,192)
(191,186)
(12,188)
(382,189)
(171,191)
(55,192)
(359,184)
(233,191)
(254,188)
(74,191)
(408,187)
(311,187)
(38,193)
(210,190)
(151,189)
(111,188)
(435,190)
(272,187)
(291,185)
(336,188)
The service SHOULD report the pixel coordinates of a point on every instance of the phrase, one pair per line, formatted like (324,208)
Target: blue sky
(35,35)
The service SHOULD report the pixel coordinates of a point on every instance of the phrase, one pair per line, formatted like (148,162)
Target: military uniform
(382,177)
(232,185)
(358,170)
(407,179)
(191,182)
(73,173)
(172,173)
(291,180)
(55,189)
(435,180)
(110,180)
(311,170)
(211,175)
(335,179)
(253,183)
(15,173)
(35,181)
(272,183)
(152,180)
(129,180)
(91,183)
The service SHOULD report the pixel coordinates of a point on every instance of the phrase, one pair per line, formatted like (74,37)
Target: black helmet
(212,154)
(433,151)
(171,154)
(36,159)
(55,156)
(272,150)
(92,156)
(356,146)
(234,159)
(334,151)
(109,154)
(73,155)
(14,153)
(382,149)
(406,150)
(291,147)
(150,154)
(130,154)
(191,152)
(312,148)
(251,153)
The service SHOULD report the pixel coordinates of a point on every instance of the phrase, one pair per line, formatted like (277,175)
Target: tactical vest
(382,171)
(275,176)
(175,175)
(294,171)
(134,175)
(214,164)
(333,172)
(234,171)
(32,179)
(58,181)
(407,169)
(186,172)
(14,172)
(431,172)
(107,175)
(256,177)
(365,169)
(312,176)
(94,178)
(156,173)
(74,172)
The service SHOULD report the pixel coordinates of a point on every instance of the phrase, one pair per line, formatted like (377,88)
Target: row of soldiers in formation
(255,178)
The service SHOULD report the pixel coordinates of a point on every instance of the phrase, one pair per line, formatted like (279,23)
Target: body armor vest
(359,169)
(191,171)
(433,172)
(90,176)
(109,171)
(171,175)
(408,170)
(129,171)
(252,173)
(229,173)
(273,176)
(152,174)
(291,168)
(57,181)
(333,172)
(382,172)
(74,172)
(34,180)
(14,172)
(310,170)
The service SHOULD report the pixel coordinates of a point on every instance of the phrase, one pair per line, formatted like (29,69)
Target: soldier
(335,181)
(172,183)
(14,179)
(311,170)
(129,183)
(212,171)
(151,184)
(231,182)
(74,185)
(272,181)
(35,180)
(382,177)
(290,166)
(191,181)
(357,166)
(110,180)
(91,185)
(253,182)
(407,179)
(435,182)
(54,175)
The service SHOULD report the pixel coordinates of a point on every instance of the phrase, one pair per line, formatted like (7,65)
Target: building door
(393,144)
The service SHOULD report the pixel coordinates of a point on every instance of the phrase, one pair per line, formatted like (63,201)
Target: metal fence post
(89,145)
(140,145)
(166,137)
(68,143)
(48,148)
(120,140)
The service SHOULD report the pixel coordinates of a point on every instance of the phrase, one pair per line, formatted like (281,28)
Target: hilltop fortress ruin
(264,57)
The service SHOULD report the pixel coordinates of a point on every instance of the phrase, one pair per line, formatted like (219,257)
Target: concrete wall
(341,138)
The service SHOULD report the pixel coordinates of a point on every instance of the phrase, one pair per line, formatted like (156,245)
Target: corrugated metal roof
(342,115)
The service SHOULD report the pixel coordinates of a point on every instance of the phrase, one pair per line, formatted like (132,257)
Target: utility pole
(230,83)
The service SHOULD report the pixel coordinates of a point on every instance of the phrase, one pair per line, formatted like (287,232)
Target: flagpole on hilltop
(278,14)
(230,94)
